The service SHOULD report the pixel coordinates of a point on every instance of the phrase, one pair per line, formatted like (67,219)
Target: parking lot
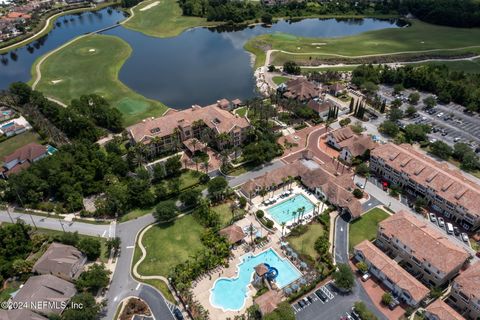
(450,123)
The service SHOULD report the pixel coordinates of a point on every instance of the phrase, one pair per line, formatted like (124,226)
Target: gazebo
(233,233)
(268,301)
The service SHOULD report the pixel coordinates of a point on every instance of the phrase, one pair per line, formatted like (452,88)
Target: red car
(385,185)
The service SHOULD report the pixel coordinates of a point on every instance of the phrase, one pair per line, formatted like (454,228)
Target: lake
(199,66)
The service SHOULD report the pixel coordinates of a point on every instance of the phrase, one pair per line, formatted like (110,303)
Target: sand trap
(92,50)
(56,81)
(151,5)
(318,43)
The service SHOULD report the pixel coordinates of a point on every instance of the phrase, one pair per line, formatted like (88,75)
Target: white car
(365,277)
(441,222)
(440,114)
(360,185)
(464,237)
(433,217)
(456,139)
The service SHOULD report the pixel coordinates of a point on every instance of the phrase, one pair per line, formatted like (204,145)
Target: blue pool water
(283,212)
(230,294)
(7,125)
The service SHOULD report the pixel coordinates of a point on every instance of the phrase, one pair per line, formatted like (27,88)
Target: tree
(91,247)
(165,211)
(413,98)
(357,193)
(390,128)
(173,166)
(291,67)
(96,277)
(410,112)
(362,266)
(362,169)
(430,102)
(284,311)
(113,244)
(89,310)
(242,202)
(420,204)
(441,150)
(190,198)
(267,18)
(470,162)
(396,103)
(397,88)
(387,298)
(460,150)
(217,187)
(343,277)
(416,132)
(383,106)
(363,312)
(395,114)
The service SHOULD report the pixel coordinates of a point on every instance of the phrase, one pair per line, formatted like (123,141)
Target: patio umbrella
(259,234)
(303,281)
(289,251)
(288,291)
(295,287)
(303,265)
(283,244)
(294,255)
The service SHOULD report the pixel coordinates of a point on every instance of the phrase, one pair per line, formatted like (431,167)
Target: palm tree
(263,193)
(273,189)
(223,140)
(367,175)
(290,180)
(233,208)
(205,165)
(284,180)
(194,145)
(197,161)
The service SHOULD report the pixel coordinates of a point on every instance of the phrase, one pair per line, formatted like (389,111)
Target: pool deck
(296,189)
(201,289)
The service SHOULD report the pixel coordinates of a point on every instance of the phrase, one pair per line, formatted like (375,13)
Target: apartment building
(351,145)
(439,310)
(203,123)
(445,189)
(402,285)
(427,253)
(465,292)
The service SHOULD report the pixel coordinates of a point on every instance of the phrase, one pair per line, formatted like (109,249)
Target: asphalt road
(90,229)
(241,179)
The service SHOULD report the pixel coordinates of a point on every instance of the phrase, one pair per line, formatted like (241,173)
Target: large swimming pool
(231,293)
(284,211)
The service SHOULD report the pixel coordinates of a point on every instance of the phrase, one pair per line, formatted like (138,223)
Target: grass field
(419,36)
(10,145)
(168,245)
(465,66)
(242,111)
(305,243)
(365,228)
(162,18)
(279,79)
(91,65)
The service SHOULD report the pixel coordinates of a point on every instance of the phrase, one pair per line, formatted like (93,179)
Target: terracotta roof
(237,102)
(447,183)
(357,145)
(28,152)
(221,121)
(426,243)
(223,103)
(233,233)
(342,134)
(261,269)
(14,15)
(392,270)
(60,259)
(301,89)
(337,87)
(269,301)
(469,282)
(319,107)
(46,288)
(198,145)
(443,311)
(20,314)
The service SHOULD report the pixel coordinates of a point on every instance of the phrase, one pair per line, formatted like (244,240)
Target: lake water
(199,66)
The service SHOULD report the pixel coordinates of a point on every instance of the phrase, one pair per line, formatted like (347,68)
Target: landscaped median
(365,228)
(90,64)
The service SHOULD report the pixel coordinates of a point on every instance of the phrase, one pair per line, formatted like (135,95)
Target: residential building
(206,124)
(439,310)
(299,89)
(336,89)
(322,107)
(269,301)
(351,145)
(465,292)
(46,294)
(426,252)
(15,126)
(447,190)
(322,179)
(401,284)
(20,314)
(22,158)
(61,260)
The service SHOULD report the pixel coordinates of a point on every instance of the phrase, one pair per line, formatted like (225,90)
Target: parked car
(433,217)
(178,314)
(456,231)
(449,228)
(301,303)
(321,295)
(309,299)
(354,314)
(365,277)
(441,222)
(360,185)
(464,237)
(393,304)
(456,139)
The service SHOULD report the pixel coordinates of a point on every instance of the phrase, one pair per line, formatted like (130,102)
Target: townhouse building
(349,144)
(402,285)
(447,190)
(425,252)
(439,310)
(210,124)
(465,292)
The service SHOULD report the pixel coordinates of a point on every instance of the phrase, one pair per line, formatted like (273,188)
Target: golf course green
(90,64)
(162,19)
(419,38)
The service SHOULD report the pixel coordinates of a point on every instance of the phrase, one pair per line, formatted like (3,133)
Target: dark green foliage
(291,67)
(343,277)
(89,311)
(190,198)
(363,312)
(165,211)
(99,110)
(357,193)
(283,312)
(441,150)
(96,277)
(69,238)
(90,247)
(15,243)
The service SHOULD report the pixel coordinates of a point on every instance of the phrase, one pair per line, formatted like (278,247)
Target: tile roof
(20,314)
(443,311)
(301,89)
(357,145)
(28,152)
(342,134)
(222,121)
(46,288)
(392,270)
(320,107)
(269,301)
(447,183)
(469,281)
(233,233)
(59,259)
(426,243)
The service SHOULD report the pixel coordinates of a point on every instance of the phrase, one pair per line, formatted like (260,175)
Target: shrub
(357,193)
(260,214)
(269,224)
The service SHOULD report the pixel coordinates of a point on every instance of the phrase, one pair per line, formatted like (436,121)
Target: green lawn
(224,212)
(365,228)
(279,79)
(419,36)
(91,65)
(305,243)
(242,111)
(168,245)
(162,18)
(134,214)
(465,66)
(189,178)
(10,145)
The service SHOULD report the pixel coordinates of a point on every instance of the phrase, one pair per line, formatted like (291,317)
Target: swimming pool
(231,293)
(283,212)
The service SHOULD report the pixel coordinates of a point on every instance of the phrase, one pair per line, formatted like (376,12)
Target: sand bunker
(151,5)
(56,81)
(92,50)
(318,43)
